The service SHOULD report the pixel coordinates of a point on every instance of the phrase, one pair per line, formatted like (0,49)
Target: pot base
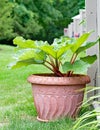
(42,120)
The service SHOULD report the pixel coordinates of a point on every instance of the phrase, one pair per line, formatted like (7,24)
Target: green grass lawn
(17,111)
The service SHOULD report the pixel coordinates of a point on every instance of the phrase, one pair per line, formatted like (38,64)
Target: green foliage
(42,20)
(47,17)
(89,118)
(79,66)
(34,19)
(52,56)
(6,21)
(25,21)
(68,9)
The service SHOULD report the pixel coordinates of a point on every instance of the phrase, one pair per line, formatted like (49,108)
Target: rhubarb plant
(63,57)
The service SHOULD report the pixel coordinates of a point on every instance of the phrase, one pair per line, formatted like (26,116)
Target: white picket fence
(88,19)
(78,26)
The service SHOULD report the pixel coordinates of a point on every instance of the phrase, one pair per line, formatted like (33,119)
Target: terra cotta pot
(56,97)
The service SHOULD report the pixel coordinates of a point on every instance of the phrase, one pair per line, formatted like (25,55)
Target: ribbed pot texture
(57,97)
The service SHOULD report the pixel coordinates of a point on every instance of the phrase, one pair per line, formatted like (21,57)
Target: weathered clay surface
(57,97)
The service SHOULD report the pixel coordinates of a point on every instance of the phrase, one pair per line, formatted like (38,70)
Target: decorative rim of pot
(52,80)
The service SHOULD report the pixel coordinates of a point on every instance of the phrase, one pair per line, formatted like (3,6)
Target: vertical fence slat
(98,24)
(76,21)
(91,25)
(82,21)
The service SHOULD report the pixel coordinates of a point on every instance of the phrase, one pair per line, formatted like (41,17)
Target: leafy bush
(63,53)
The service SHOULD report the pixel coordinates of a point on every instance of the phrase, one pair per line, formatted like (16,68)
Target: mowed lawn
(17,111)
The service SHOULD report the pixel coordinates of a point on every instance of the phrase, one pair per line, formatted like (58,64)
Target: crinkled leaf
(40,55)
(26,62)
(28,56)
(57,43)
(68,55)
(88,45)
(24,54)
(89,59)
(30,53)
(41,43)
(79,67)
(61,45)
(80,41)
(62,50)
(22,43)
(49,50)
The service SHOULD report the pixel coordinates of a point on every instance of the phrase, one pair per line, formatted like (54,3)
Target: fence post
(70,30)
(76,21)
(82,21)
(92,22)
(98,20)
(65,31)
(98,23)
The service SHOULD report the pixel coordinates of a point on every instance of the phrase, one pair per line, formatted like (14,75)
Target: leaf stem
(72,62)
(73,58)
(48,67)
(51,59)
(50,63)
(57,64)
(55,69)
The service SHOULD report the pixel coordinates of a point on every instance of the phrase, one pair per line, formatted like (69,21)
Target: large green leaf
(63,49)
(26,62)
(30,53)
(28,56)
(41,43)
(49,50)
(61,45)
(79,67)
(22,43)
(89,59)
(58,43)
(86,46)
(24,54)
(80,41)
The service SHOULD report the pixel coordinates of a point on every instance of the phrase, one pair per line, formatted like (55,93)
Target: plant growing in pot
(61,92)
